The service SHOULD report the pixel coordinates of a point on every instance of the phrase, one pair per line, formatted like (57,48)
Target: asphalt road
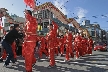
(98,62)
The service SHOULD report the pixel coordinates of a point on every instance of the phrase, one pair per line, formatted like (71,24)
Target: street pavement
(97,62)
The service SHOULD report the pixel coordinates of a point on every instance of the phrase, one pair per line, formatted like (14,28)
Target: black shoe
(61,55)
(4,65)
(51,66)
(15,60)
(1,60)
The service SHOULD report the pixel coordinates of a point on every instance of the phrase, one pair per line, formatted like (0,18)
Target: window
(92,28)
(93,33)
(46,24)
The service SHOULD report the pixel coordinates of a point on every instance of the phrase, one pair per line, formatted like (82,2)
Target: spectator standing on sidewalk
(7,42)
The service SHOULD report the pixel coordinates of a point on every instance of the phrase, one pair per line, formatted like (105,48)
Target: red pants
(81,51)
(42,50)
(56,47)
(51,51)
(69,51)
(51,56)
(56,50)
(28,54)
(90,49)
(4,55)
(77,51)
(86,49)
(62,49)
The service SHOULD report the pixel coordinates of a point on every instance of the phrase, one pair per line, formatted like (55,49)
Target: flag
(30,3)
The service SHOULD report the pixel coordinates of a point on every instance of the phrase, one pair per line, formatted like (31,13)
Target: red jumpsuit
(69,50)
(84,49)
(4,55)
(86,45)
(29,42)
(42,47)
(51,37)
(61,45)
(55,38)
(78,46)
(56,43)
(90,44)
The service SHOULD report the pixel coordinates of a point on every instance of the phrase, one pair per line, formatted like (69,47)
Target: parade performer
(61,42)
(69,50)
(42,47)
(84,49)
(90,45)
(56,45)
(50,38)
(78,45)
(29,40)
(56,39)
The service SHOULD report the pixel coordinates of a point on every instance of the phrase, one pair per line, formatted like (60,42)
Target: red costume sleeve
(91,41)
(55,25)
(30,3)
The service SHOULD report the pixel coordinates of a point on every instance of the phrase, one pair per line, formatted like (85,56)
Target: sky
(93,10)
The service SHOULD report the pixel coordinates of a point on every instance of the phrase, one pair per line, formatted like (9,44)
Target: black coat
(11,36)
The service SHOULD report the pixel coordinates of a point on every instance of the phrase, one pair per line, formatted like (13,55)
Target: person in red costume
(61,42)
(51,39)
(90,45)
(29,40)
(78,45)
(42,47)
(86,45)
(69,50)
(55,38)
(84,49)
(56,43)
(4,55)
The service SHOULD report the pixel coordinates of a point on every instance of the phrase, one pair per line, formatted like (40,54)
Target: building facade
(95,31)
(43,18)
(16,18)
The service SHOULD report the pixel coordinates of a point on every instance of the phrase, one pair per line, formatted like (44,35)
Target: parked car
(100,46)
